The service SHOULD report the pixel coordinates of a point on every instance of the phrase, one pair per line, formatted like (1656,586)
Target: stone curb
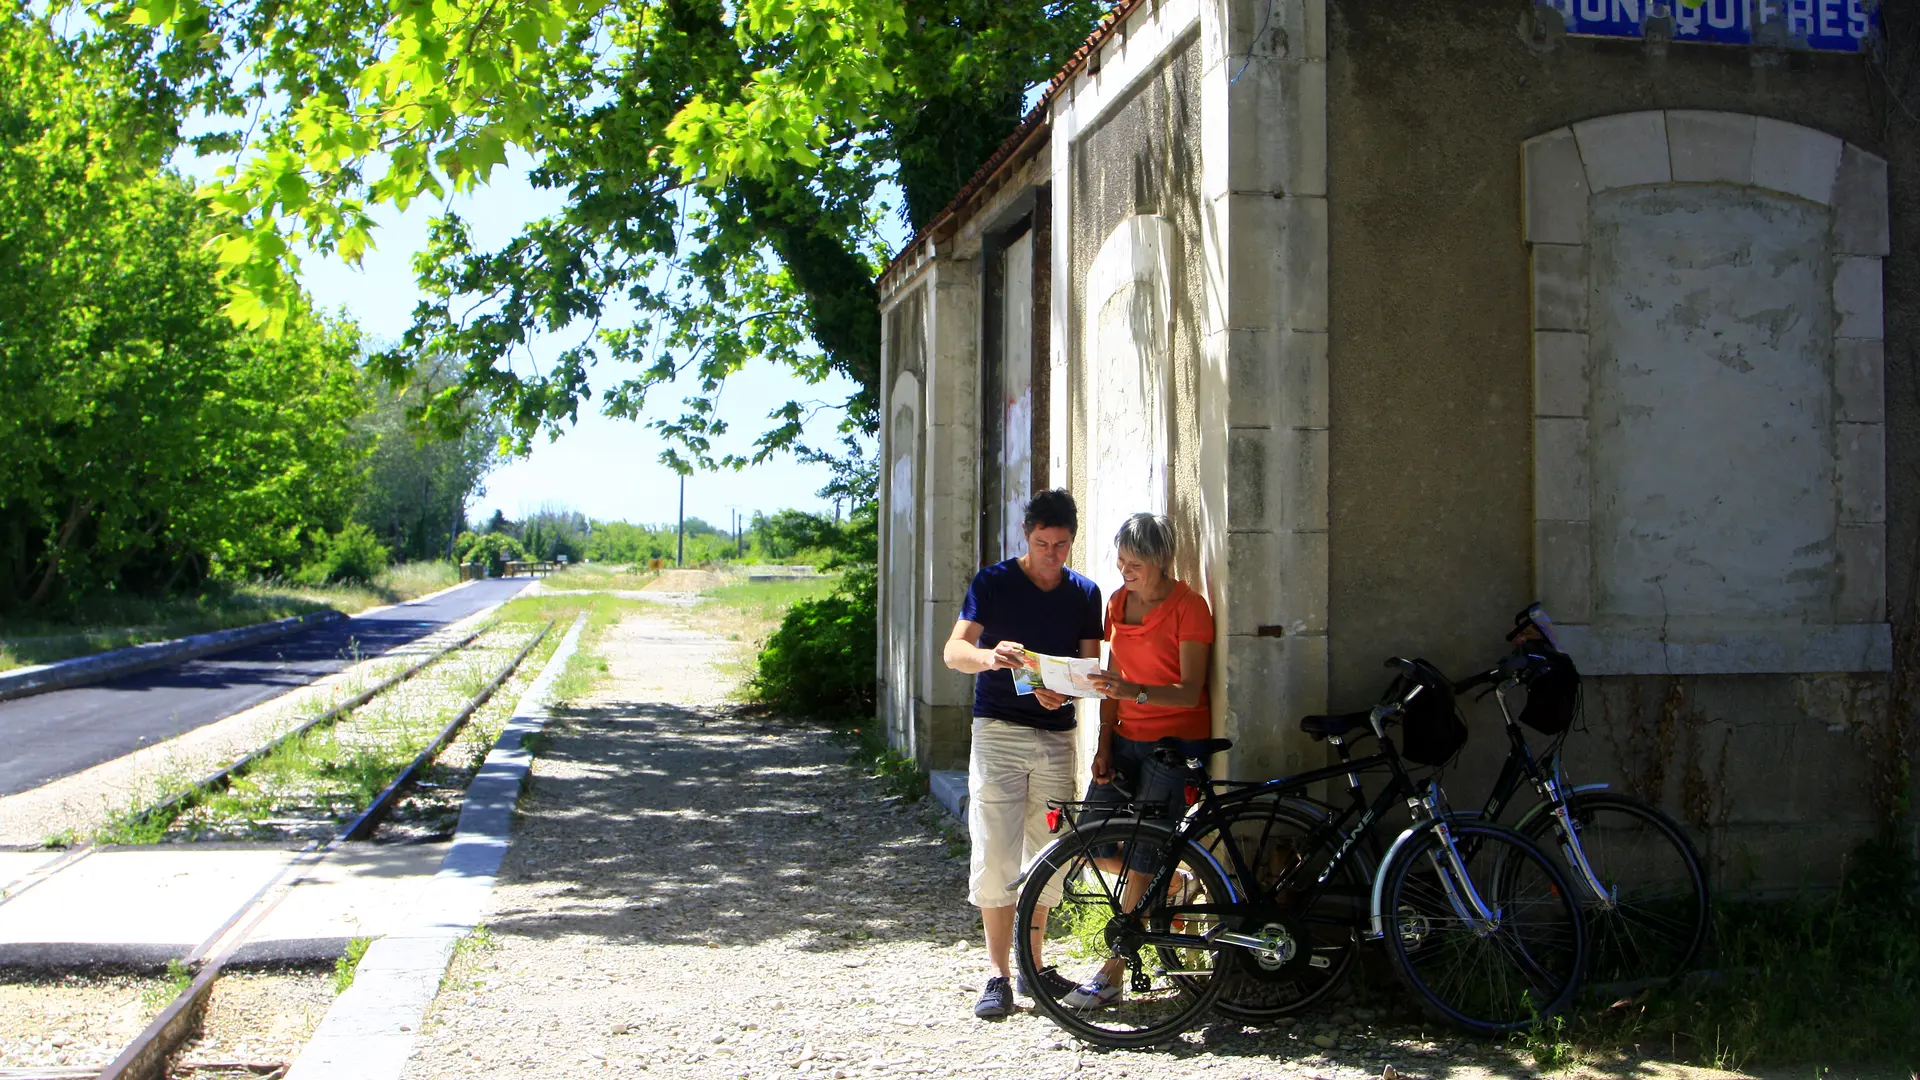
(369,1032)
(82,670)
(949,788)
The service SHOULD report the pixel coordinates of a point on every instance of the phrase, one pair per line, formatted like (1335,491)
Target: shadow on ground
(661,824)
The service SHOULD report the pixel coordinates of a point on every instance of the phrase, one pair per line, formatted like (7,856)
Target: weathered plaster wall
(904,354)
(1712,430)
(1431,402)
(1141,157)
(1144,158)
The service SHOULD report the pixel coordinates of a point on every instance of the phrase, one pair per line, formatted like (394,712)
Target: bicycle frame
(1213,809)
(1548,782)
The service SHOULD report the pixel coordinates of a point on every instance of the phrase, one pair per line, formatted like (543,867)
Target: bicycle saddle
(1321,727)
(1193,747)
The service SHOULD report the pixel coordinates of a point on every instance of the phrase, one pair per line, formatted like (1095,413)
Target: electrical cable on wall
(1265,18)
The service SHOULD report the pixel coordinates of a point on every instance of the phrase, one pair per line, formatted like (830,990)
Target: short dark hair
(1052,509)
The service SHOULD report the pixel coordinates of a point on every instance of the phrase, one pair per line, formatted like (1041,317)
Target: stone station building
(1411,313)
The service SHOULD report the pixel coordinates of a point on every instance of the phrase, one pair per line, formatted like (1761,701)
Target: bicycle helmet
(1431,730)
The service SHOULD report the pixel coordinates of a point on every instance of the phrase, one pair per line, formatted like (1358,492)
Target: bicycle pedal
(1141,982)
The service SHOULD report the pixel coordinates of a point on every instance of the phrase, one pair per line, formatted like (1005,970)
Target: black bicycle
(1641,883)
(1175,910)
(1639,878)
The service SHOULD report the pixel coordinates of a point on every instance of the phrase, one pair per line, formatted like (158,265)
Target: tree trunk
(81,508)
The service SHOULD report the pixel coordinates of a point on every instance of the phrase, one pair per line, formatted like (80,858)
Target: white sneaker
(1096,993)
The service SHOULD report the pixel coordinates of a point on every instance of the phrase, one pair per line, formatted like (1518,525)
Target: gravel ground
(697,892)
(76,806)
(255,1018)
(78,1018)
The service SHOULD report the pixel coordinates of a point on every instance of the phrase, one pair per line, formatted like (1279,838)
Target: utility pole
(680,530)
(739,540)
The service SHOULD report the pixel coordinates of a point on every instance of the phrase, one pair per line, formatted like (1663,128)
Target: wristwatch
(1141,697)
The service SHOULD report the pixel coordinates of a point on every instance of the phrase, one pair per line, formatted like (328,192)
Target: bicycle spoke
(1083,884)
(1485,975)
(1656,923)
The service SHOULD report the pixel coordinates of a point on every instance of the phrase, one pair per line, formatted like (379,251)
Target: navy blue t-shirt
(1010,607)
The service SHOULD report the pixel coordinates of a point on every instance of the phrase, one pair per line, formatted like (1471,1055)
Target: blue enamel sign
(1819,25)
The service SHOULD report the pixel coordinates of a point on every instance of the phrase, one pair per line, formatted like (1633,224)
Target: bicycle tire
(1528,966)
(1658,923)
(1270,986)
(1081,915)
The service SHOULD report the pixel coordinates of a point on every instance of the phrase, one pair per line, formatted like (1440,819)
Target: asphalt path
(46,737)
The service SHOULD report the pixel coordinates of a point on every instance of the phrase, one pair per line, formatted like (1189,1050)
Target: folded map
(1061,674)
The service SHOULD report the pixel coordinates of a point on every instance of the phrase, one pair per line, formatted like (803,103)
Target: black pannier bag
(1553,692)
(1431,732)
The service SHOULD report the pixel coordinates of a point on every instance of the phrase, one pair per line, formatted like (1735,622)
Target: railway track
(148,1055)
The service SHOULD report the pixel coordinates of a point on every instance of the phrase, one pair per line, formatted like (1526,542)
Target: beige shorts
(1012,772)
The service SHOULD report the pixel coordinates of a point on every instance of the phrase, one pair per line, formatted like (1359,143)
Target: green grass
(332,772)
(479,939)
(764,602)
(607,576)
(158,996)
(347,966)
(898,774)
(1820,982)
(321,771)
(113,621)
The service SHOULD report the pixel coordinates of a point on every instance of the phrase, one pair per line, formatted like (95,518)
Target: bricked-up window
(1709,451)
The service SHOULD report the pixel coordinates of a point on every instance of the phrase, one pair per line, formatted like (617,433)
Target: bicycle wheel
(1654,924)
(1314,946)
(1072,902)
(1486,975)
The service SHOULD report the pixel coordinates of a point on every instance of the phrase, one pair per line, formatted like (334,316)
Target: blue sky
(606,468)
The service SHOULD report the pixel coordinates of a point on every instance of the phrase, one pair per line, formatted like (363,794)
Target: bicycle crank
(1276,950)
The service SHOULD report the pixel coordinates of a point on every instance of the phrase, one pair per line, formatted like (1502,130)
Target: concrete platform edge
(949,788)
(82,670)
(369,1032)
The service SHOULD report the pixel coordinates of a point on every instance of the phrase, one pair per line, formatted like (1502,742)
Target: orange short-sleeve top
(1149,654)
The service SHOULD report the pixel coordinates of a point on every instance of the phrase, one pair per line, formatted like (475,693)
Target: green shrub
(821,659)
(495,549)
(352,554)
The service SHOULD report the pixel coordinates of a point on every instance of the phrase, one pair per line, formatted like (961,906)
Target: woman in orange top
(1159,634)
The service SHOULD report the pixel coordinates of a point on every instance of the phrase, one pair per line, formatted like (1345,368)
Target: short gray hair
(1149,536)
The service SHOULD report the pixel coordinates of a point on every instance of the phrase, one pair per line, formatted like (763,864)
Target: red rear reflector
(1193,794)
(1053,819)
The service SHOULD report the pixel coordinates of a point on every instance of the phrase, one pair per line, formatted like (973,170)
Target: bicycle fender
(1541,808)
(1377,923)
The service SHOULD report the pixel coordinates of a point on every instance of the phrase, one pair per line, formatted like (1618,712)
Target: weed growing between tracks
(345,968)
(156,997)
(307,788)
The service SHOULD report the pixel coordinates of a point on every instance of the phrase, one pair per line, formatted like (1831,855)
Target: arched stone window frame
(1564,169)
